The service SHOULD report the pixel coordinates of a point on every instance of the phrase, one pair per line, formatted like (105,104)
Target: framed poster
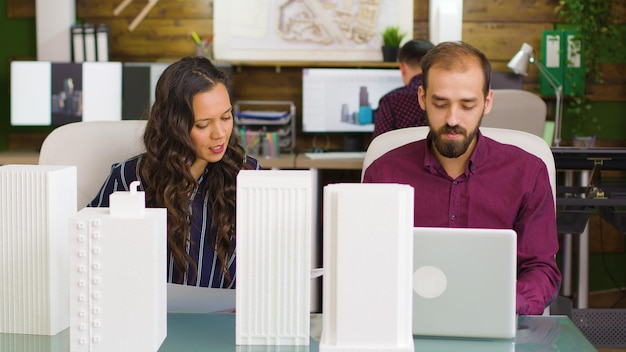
(306,30)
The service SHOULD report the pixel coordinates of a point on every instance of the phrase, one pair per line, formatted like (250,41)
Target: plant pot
(390,53)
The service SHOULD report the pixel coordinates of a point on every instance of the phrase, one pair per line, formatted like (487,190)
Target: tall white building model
(274,233)
(36,202)
(368,268)
(118,276)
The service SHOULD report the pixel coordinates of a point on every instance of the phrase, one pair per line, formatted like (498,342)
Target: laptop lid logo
(429,281)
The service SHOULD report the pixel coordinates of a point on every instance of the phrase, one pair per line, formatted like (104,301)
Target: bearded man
(464,179)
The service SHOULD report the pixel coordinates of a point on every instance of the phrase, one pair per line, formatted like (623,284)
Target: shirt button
(453,217)
(455,182)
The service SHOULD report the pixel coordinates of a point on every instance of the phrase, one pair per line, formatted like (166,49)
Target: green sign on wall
(562,56)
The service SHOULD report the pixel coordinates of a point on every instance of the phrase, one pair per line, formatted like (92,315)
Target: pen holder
(251,141)
(271,148)
(204,49)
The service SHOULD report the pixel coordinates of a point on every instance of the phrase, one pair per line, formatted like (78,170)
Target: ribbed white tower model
(368,267)
(36,202)
(118,276)
(274,232)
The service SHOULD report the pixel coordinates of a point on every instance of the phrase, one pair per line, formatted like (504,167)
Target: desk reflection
(216,332)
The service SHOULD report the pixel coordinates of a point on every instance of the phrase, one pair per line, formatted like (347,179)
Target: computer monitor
(343,100)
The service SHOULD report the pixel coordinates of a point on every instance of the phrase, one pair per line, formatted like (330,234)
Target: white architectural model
(35,203)
(368,267)
(118,276)
(274,232)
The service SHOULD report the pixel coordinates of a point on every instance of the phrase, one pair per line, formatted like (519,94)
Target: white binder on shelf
(102,42)
(78,44)
(89,33)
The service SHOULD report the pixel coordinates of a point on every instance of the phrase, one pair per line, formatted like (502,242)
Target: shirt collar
(415,81)
(480,152)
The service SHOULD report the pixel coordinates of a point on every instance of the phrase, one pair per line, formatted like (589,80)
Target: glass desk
(216,332)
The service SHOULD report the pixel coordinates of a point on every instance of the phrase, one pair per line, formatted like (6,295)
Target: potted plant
(596,39)
(392,37)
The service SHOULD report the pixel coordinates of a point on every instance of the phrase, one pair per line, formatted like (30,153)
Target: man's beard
(453,148)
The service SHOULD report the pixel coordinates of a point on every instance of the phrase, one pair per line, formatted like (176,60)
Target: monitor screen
(344,99)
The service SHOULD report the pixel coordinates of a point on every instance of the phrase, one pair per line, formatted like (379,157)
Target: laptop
(464,282)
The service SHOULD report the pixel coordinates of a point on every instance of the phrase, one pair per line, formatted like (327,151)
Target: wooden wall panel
(163,35)
(619,8)
(26,140)
(103,9)
(509,11)
(20,8)
(264,83)
(501,41)
(420,10)
(420,19)
(421,30)
(156,39)
(614,86)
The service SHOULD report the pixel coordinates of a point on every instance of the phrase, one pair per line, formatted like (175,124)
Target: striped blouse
(201,251)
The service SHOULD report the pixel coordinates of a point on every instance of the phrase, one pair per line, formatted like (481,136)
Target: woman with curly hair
(190,168)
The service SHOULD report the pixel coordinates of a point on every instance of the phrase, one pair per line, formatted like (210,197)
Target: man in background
(400,108)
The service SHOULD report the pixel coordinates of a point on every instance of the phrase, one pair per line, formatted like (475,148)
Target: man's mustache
(452,129)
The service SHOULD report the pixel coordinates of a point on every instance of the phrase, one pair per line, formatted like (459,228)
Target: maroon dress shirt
(502,187)
(399,109)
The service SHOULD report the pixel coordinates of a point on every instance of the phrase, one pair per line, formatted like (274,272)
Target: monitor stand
(353,142)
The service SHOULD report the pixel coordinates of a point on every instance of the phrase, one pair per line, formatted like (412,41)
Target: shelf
(254,129)
(238,65)
(368,64)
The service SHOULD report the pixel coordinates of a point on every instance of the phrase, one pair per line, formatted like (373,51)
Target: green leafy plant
(596,38)
(392,36)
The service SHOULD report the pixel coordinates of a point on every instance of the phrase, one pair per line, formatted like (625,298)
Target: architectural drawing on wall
(306,30)
(328,21)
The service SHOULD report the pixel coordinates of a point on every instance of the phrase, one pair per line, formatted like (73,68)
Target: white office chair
(529,142)
(517,109)
(92,147)
(524,140)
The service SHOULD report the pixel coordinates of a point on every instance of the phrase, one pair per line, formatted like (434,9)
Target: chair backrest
(92,147)
(517,109)
(524,140)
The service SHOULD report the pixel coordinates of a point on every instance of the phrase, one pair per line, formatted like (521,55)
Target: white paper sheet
(192,299)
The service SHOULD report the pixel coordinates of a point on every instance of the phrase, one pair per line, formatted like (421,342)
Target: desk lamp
(519,65)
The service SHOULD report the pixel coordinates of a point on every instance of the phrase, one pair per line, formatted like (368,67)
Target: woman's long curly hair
(166,166)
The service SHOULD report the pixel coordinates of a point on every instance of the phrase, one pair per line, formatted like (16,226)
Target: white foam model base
(367,293)
(274,229)
(118,281)
(36,202)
